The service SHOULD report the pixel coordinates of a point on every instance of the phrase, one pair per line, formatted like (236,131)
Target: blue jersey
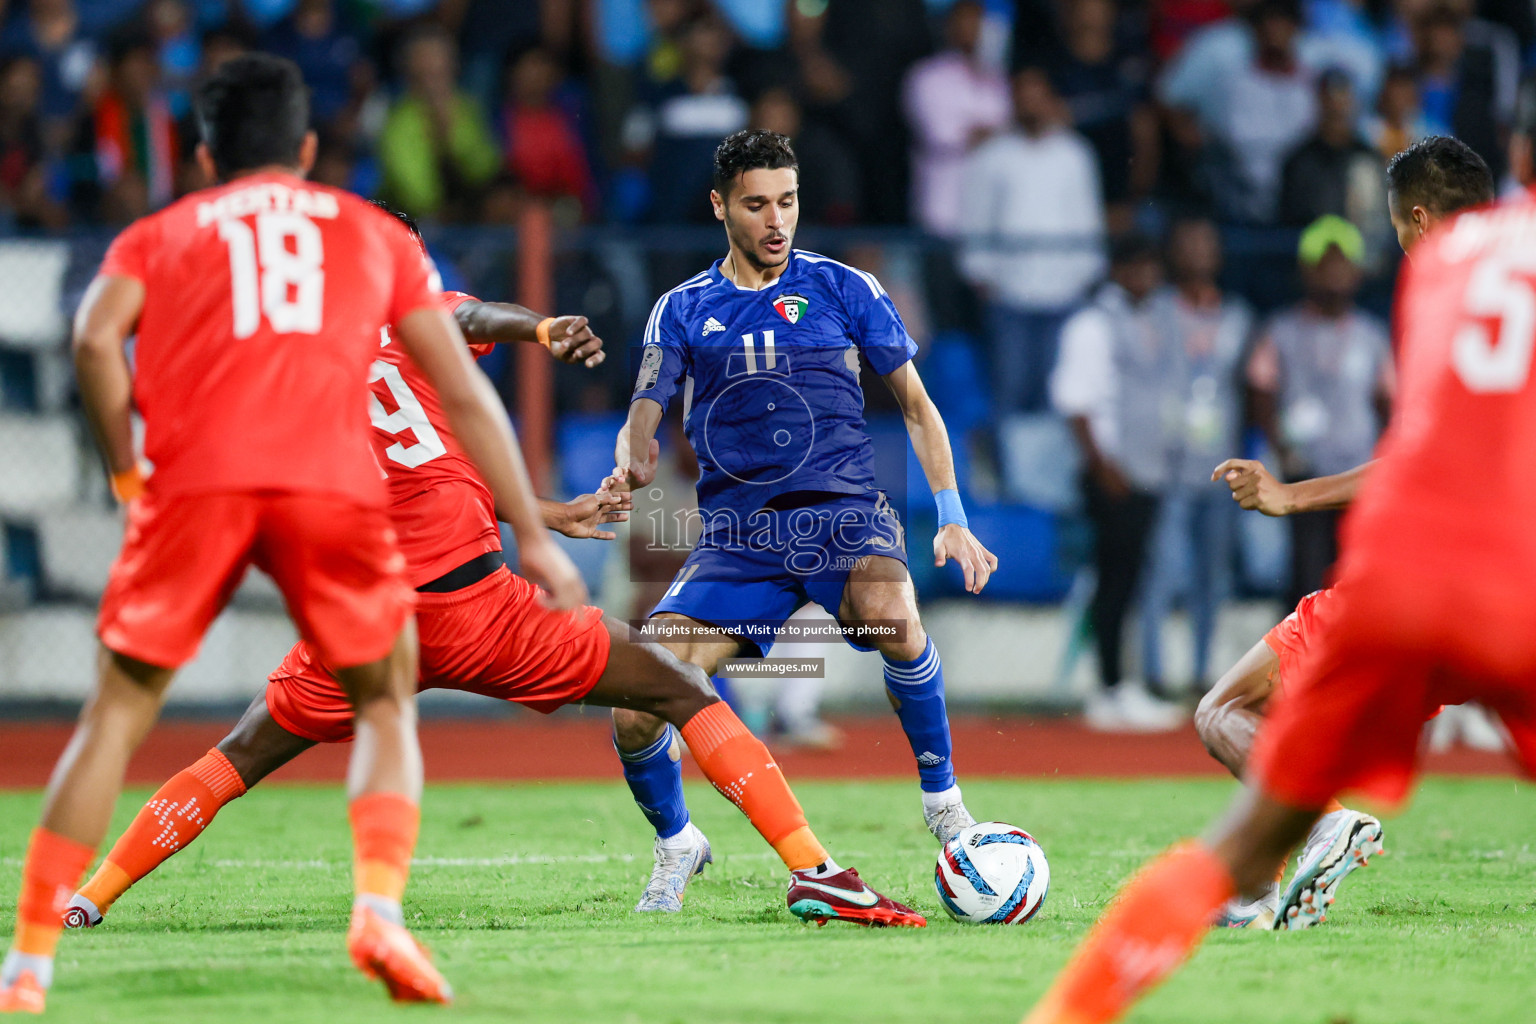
(770,379)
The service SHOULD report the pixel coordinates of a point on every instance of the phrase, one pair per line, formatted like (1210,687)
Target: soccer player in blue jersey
(765,348)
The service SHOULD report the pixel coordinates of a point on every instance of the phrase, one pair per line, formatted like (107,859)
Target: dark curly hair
(751,149)
(1441,174)
(400,215)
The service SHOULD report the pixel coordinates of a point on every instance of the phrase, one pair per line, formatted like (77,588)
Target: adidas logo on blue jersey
(928,759)
(711,326)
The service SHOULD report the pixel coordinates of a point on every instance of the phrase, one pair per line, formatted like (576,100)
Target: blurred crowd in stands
(1068,172)
(1031,117)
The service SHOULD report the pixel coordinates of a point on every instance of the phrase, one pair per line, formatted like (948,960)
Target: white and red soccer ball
(992,873)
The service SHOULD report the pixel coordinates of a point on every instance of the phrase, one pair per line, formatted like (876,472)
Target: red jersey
(1452,493)
(262,304)
(443,512)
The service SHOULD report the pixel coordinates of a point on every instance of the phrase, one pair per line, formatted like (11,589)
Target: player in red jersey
(481,631)
(1435,603)
(1432,180)
(256,304)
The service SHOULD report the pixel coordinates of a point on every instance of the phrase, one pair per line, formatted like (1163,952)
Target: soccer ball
(992,873)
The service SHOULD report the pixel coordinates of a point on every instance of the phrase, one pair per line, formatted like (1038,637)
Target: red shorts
(1292,635)
(1393,651)
(493,637)
(183,556)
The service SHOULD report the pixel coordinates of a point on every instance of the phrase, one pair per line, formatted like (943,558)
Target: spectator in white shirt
(1271,106)
(1191,550)
(1108,385)
(1032,222)
(1238,122)
(953,101)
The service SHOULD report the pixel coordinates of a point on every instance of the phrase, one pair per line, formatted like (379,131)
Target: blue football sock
(655,777)
(917,688)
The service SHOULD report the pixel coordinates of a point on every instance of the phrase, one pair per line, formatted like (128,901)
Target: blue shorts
(747,577)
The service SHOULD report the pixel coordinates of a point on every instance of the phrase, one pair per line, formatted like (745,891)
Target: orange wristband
(542,331)
(127,485)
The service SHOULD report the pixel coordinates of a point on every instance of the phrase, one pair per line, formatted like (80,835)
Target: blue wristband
(950,509)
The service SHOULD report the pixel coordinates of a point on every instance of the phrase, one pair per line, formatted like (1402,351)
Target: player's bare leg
(258,746)
(185,806)
(76,811)
(654,685)
(879,590)
(1227,720)
(1342,840)
(1165,911)
(384,789)
(1230,713)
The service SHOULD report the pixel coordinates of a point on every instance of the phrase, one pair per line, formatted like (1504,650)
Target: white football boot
(1339,843)
(945,814)
(1259,913)
(674,869)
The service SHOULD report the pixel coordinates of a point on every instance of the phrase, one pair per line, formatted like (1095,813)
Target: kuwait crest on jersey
(791,307)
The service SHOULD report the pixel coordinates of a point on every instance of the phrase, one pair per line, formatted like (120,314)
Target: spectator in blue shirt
(314,38)
(50,33)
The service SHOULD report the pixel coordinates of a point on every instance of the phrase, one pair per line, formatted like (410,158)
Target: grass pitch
(524,892)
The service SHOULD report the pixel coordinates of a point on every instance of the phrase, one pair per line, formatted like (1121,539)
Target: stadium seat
(899,473)
(39,462)
(18,380)
(1026,542)
(584,443)
(1040,461)
(32,314)
(955,378)
(920,492)
(16,586)
(53,378)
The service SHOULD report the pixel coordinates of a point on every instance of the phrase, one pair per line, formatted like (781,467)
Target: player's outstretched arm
(585,515)
(930,440)
(637,435)
(107,316)
(568,338)
(479,422)
(1256,488)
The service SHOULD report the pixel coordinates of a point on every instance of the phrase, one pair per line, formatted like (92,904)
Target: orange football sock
(173,817)
(384,827)
(1155,922)
(1333,805)
(48,878)
(741,768)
